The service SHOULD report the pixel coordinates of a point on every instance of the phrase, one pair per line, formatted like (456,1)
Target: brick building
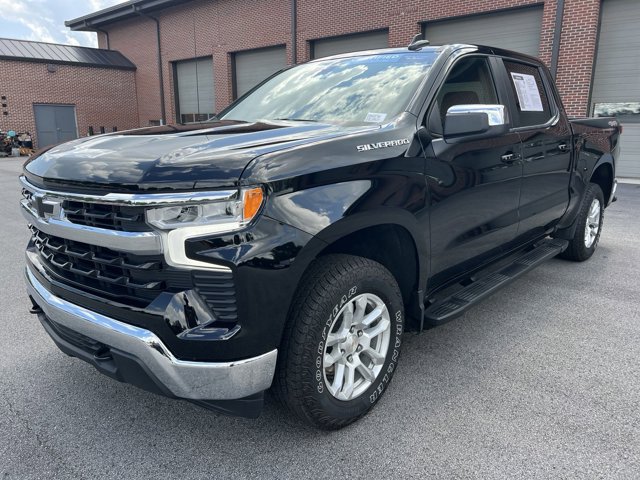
(194,57)
(56,92)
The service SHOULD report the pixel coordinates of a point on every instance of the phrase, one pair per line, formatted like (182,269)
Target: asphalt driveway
(542,380)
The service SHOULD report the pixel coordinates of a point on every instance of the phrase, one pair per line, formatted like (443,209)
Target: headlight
(231,213)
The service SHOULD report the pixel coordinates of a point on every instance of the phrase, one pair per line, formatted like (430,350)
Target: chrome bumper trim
(141,243)
(185,379)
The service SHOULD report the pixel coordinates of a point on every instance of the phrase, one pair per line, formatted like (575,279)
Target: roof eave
(94,21)
(72,64)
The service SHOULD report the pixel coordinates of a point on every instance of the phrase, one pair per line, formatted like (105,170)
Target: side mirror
(479,121)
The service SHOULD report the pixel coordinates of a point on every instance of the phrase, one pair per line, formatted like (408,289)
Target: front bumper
(196,381)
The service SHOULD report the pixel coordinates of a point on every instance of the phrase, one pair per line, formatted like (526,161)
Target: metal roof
(119,12)
(12,49)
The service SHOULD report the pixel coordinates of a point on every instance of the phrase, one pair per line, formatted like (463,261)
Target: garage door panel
(350,43)
(517,30)
(195,88)
(616,81)
(254,66)
(629,161)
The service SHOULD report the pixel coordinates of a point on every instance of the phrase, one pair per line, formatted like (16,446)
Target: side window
(529,93)
(468,83)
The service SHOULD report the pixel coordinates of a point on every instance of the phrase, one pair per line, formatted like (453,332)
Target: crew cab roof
(484,49)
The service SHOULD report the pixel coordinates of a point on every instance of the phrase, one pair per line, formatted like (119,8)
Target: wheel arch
(385,237)
(603,175)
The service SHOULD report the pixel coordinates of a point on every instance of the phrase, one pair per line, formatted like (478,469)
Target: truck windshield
(355,90)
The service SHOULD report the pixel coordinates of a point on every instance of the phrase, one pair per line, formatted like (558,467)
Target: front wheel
(590,219)
(342,342)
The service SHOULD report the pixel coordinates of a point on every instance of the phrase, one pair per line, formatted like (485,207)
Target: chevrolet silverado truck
(289,242)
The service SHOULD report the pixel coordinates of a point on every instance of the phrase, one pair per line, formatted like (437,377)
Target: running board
(457,303)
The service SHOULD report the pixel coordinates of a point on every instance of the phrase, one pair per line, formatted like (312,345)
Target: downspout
(163,112)
(294,31)
(557,33)
(106,34)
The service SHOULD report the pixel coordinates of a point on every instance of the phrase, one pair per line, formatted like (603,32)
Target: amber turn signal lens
(252,200)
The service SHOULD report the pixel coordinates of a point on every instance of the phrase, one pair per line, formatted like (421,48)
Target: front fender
(333,212)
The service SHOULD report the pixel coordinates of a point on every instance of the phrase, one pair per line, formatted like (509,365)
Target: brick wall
(577,52)
(201,28)
(206,28)
(103,97)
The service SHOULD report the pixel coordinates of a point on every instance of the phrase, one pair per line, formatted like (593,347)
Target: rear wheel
(590,219)
(342,342)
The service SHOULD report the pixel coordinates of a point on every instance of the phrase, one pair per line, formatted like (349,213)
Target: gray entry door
(55,124)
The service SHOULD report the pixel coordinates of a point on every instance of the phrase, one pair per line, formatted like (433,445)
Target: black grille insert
(217,289)
(111,217)
(130,279)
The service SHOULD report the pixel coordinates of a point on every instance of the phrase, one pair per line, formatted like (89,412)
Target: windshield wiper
(296,120)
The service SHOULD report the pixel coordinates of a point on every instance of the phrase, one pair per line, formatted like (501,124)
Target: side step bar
(457,303)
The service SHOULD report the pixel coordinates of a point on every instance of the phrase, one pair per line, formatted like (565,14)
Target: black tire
(300,382)
(578,250)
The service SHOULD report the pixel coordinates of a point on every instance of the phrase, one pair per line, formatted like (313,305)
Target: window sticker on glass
(528,93)
(375,117)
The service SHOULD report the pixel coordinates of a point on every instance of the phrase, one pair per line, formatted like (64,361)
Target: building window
(194,90)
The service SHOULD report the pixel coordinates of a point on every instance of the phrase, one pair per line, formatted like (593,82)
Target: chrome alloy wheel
(593,223)
(356,346)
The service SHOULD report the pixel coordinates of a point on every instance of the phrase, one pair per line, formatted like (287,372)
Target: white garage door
(517,30)
(616,83)
(349,43)
(195,90)
(254,66)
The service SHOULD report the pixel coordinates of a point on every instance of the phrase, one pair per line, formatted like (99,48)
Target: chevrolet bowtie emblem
(45,207)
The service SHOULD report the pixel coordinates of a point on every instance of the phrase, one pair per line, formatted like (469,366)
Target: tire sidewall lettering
(373,397)
(319,377)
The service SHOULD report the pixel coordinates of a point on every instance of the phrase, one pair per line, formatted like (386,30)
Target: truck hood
(173,157)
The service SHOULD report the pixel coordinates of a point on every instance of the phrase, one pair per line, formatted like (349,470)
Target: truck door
(546,141)
(474,184)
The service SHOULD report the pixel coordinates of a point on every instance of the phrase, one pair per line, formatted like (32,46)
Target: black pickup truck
(289,242)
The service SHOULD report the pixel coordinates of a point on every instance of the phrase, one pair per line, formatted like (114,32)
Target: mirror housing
(477,121)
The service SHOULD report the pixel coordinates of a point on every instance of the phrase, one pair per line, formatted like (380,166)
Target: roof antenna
(417,42)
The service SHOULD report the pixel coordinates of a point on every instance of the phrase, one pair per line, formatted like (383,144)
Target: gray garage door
(254,66)
(349,43)
(515,30)
(55,124)
(616,84)
(195,89)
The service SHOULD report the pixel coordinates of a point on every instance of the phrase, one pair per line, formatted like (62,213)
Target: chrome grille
(102,245)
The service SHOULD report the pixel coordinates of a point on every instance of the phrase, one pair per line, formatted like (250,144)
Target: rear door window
(529,93)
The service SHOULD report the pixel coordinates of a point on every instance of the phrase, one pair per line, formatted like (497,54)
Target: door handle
(563,147)
(508,158)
